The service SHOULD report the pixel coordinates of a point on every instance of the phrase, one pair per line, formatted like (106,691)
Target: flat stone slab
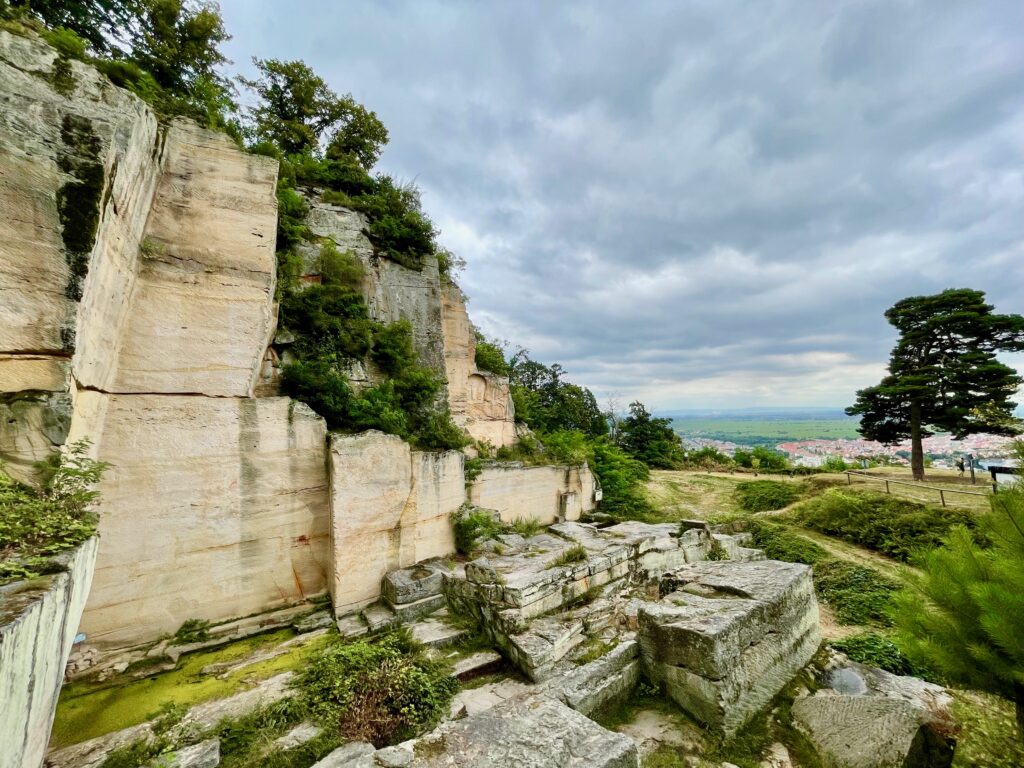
(476,663)
(604,681)
(205,754)
(524,732)
(473,701)
(357,754)
(433,632)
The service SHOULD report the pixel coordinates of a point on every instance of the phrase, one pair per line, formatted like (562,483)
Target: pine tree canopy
(945,364)
(963,613)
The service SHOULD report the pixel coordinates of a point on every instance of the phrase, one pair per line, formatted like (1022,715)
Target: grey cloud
(693,201)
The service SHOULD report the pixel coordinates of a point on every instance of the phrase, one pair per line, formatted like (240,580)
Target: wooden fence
(941,491)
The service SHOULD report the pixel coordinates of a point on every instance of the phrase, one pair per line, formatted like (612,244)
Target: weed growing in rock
(526,527)
(193,631)
(766,495)
(574,554)
(473,525)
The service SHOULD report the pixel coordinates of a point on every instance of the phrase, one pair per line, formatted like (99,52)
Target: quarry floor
(665,737)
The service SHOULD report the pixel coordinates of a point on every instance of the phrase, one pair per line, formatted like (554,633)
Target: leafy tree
(943,373)
(650,439)
(297,110)
(177,43)
(963,613)
(489,356)
(102,23)
(761,458)
(548,403)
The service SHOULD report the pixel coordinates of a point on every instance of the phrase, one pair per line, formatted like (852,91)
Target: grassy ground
(88,709)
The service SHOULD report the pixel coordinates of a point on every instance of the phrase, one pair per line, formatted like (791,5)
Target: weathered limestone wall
(480,401)
(77,174)
(392,291)
(37,627)
(547,494)
(390,509)
(213,508)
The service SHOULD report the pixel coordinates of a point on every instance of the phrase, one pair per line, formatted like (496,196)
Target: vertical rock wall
(390,508)
(38,623)
(545,494)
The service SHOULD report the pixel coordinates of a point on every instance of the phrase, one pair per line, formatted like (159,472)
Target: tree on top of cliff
(943,373)
(177,43)
(297,110)
(650,439)
(101,23)
(548,403)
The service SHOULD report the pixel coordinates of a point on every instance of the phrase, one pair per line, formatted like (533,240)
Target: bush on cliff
(36,523)
(765,495)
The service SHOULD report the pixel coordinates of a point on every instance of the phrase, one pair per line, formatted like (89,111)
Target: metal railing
(941,491)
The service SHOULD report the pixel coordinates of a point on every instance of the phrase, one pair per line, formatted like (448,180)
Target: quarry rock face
(728,636)
(38,623)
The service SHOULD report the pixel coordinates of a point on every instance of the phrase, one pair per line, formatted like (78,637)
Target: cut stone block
(730,636)
(435,633)
(603,682)
(412,584)
(476,664)
(407,612)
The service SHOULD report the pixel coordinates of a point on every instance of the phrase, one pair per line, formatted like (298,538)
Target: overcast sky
(698,204)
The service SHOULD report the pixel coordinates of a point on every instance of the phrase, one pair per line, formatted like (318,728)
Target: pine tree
(943,373)
(963,613)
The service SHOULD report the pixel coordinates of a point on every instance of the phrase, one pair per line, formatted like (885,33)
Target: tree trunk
(916,448)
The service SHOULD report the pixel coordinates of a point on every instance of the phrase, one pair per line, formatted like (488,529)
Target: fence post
(942,495)
(887,487)
(849,479)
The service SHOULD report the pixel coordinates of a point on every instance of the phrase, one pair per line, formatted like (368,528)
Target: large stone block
(213,508)
(729,636)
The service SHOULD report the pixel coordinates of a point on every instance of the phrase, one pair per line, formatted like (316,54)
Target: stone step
(476,664)
(408,612)
(352,626)
(435,632)
(379,616)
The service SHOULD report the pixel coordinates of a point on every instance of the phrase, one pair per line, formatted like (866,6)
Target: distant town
(809,438)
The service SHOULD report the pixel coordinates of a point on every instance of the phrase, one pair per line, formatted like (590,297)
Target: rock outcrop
(726,637)
(546,494)
(38,623)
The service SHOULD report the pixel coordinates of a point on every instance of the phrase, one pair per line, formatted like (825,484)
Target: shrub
(473,525)
(622,479)
(706,457)
(764,459)
(339,268)
(398,227)
(780,543)
(526,527)
(577,553)
(765,495)
(893,526)
(392,347)
(437,432)
(382,692)
(489,356)
(877,651)
(66,42)
(36,523)
(320,386)
(857,594)
(193,631)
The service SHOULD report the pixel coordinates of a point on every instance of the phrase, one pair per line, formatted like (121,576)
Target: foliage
(706,457)
(193,631)
(622,479)
(66,41)
(874,650)
(893,526)
(857,594)
(398,226)
(761,458)
(338,267)
(489,356)
(101,23)
(943,373)
(574,554)
(526,527)
(780,543)
(766,495)
(392,347)
(547,403)
(963,612)
(382,692)
(472,525)
(569,447)
(177,43)
(835,464)
(649,439)
(296,109)
(36,523)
